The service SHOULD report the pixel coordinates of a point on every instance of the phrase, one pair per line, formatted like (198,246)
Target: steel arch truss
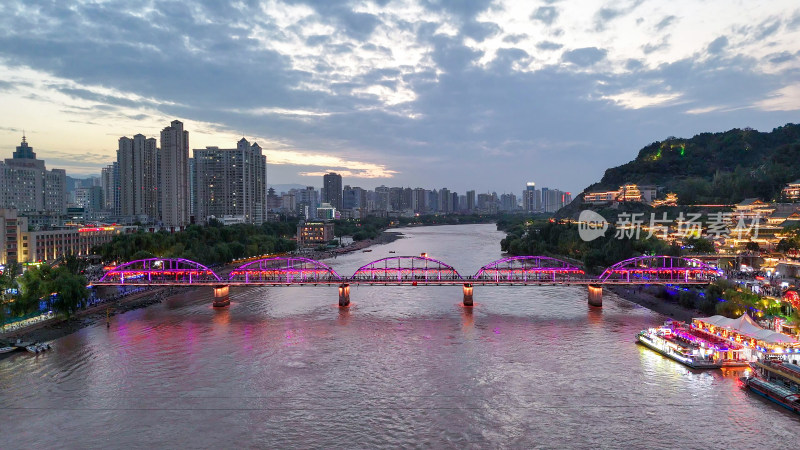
(284,270)
(529,269)
(407,269)
(154,271)
(660,269)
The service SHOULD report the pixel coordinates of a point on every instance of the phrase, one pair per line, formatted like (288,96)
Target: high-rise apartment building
(332,189)
(137,162)
(231,182)
(306,202)
(445,201)
(529,198)
(470,206)
(108,182)
(419,200)
(353,198)
(174,176)
(27,186)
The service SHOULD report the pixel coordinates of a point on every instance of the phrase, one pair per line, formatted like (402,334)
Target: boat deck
(779,369)
(776,388)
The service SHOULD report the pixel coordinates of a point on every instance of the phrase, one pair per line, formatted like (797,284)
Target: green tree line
(715,167)
(62,287)
(210,244)
(553,238)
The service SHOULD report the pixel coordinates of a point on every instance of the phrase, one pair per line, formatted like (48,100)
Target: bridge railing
(160,271)
(284,270)
(406,269)
(528,269)
(659,269)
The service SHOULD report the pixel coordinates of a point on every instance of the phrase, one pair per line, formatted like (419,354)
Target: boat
(38,348)
(778,368)
(663,341)
(367,250)
(7,349)
(781,395)
(392,251)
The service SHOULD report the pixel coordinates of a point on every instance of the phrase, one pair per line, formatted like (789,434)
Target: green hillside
(715,167)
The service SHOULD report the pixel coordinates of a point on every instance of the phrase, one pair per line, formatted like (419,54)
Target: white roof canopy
(748,327)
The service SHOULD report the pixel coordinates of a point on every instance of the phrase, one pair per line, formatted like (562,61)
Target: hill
(715,167)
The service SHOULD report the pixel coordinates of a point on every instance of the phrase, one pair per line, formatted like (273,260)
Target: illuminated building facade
(311,234)
(792,191)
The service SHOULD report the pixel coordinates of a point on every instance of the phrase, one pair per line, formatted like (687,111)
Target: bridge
(409,271)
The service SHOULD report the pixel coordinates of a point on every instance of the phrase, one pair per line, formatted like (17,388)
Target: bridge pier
(595,295)
(468,294)
(221,296)
(344,295)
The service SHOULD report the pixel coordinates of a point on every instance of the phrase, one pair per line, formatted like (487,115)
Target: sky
(481,94)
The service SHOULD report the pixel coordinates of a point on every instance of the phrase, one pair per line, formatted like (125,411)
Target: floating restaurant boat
(685,351)
(781,395)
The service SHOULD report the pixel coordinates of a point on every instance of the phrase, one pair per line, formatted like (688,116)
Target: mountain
(715,167)
(286,187)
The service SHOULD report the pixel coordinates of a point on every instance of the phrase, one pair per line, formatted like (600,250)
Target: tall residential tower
(174,176)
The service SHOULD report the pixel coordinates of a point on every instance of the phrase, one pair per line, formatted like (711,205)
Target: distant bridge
(409,271)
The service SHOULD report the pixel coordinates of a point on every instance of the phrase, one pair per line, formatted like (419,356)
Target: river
(403,366)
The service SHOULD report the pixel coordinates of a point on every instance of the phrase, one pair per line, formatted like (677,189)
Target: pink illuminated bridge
(410,270)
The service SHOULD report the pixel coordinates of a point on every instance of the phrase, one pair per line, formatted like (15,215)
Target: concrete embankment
(646,297)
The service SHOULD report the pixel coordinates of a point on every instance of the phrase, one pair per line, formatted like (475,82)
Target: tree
(70,290)
(700,246)
(752,246)
(34,285)
(786,245)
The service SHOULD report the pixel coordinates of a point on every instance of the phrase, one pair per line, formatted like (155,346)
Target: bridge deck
(395,282)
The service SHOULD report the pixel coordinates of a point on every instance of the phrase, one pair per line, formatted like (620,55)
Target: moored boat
(38,348)
(7,349)
(663,341)
(781,395)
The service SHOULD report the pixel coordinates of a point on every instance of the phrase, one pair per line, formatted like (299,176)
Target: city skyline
(494,92)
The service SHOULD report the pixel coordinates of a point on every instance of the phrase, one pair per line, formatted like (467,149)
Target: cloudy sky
(464,94)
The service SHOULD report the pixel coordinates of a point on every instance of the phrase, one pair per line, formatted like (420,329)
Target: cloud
(767,29)
(480,30)
(777,58)
(584,57)
(717,45)
(639,100)
(654,47)
(545,14)
(784,99)
(548,45)
(607,14)
(514,38)
(424,92)
(665,22)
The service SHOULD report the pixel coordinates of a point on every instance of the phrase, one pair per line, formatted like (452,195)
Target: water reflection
(402,367)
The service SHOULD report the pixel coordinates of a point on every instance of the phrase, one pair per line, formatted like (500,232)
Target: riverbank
(57,328)
(385,237)
(644,296)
